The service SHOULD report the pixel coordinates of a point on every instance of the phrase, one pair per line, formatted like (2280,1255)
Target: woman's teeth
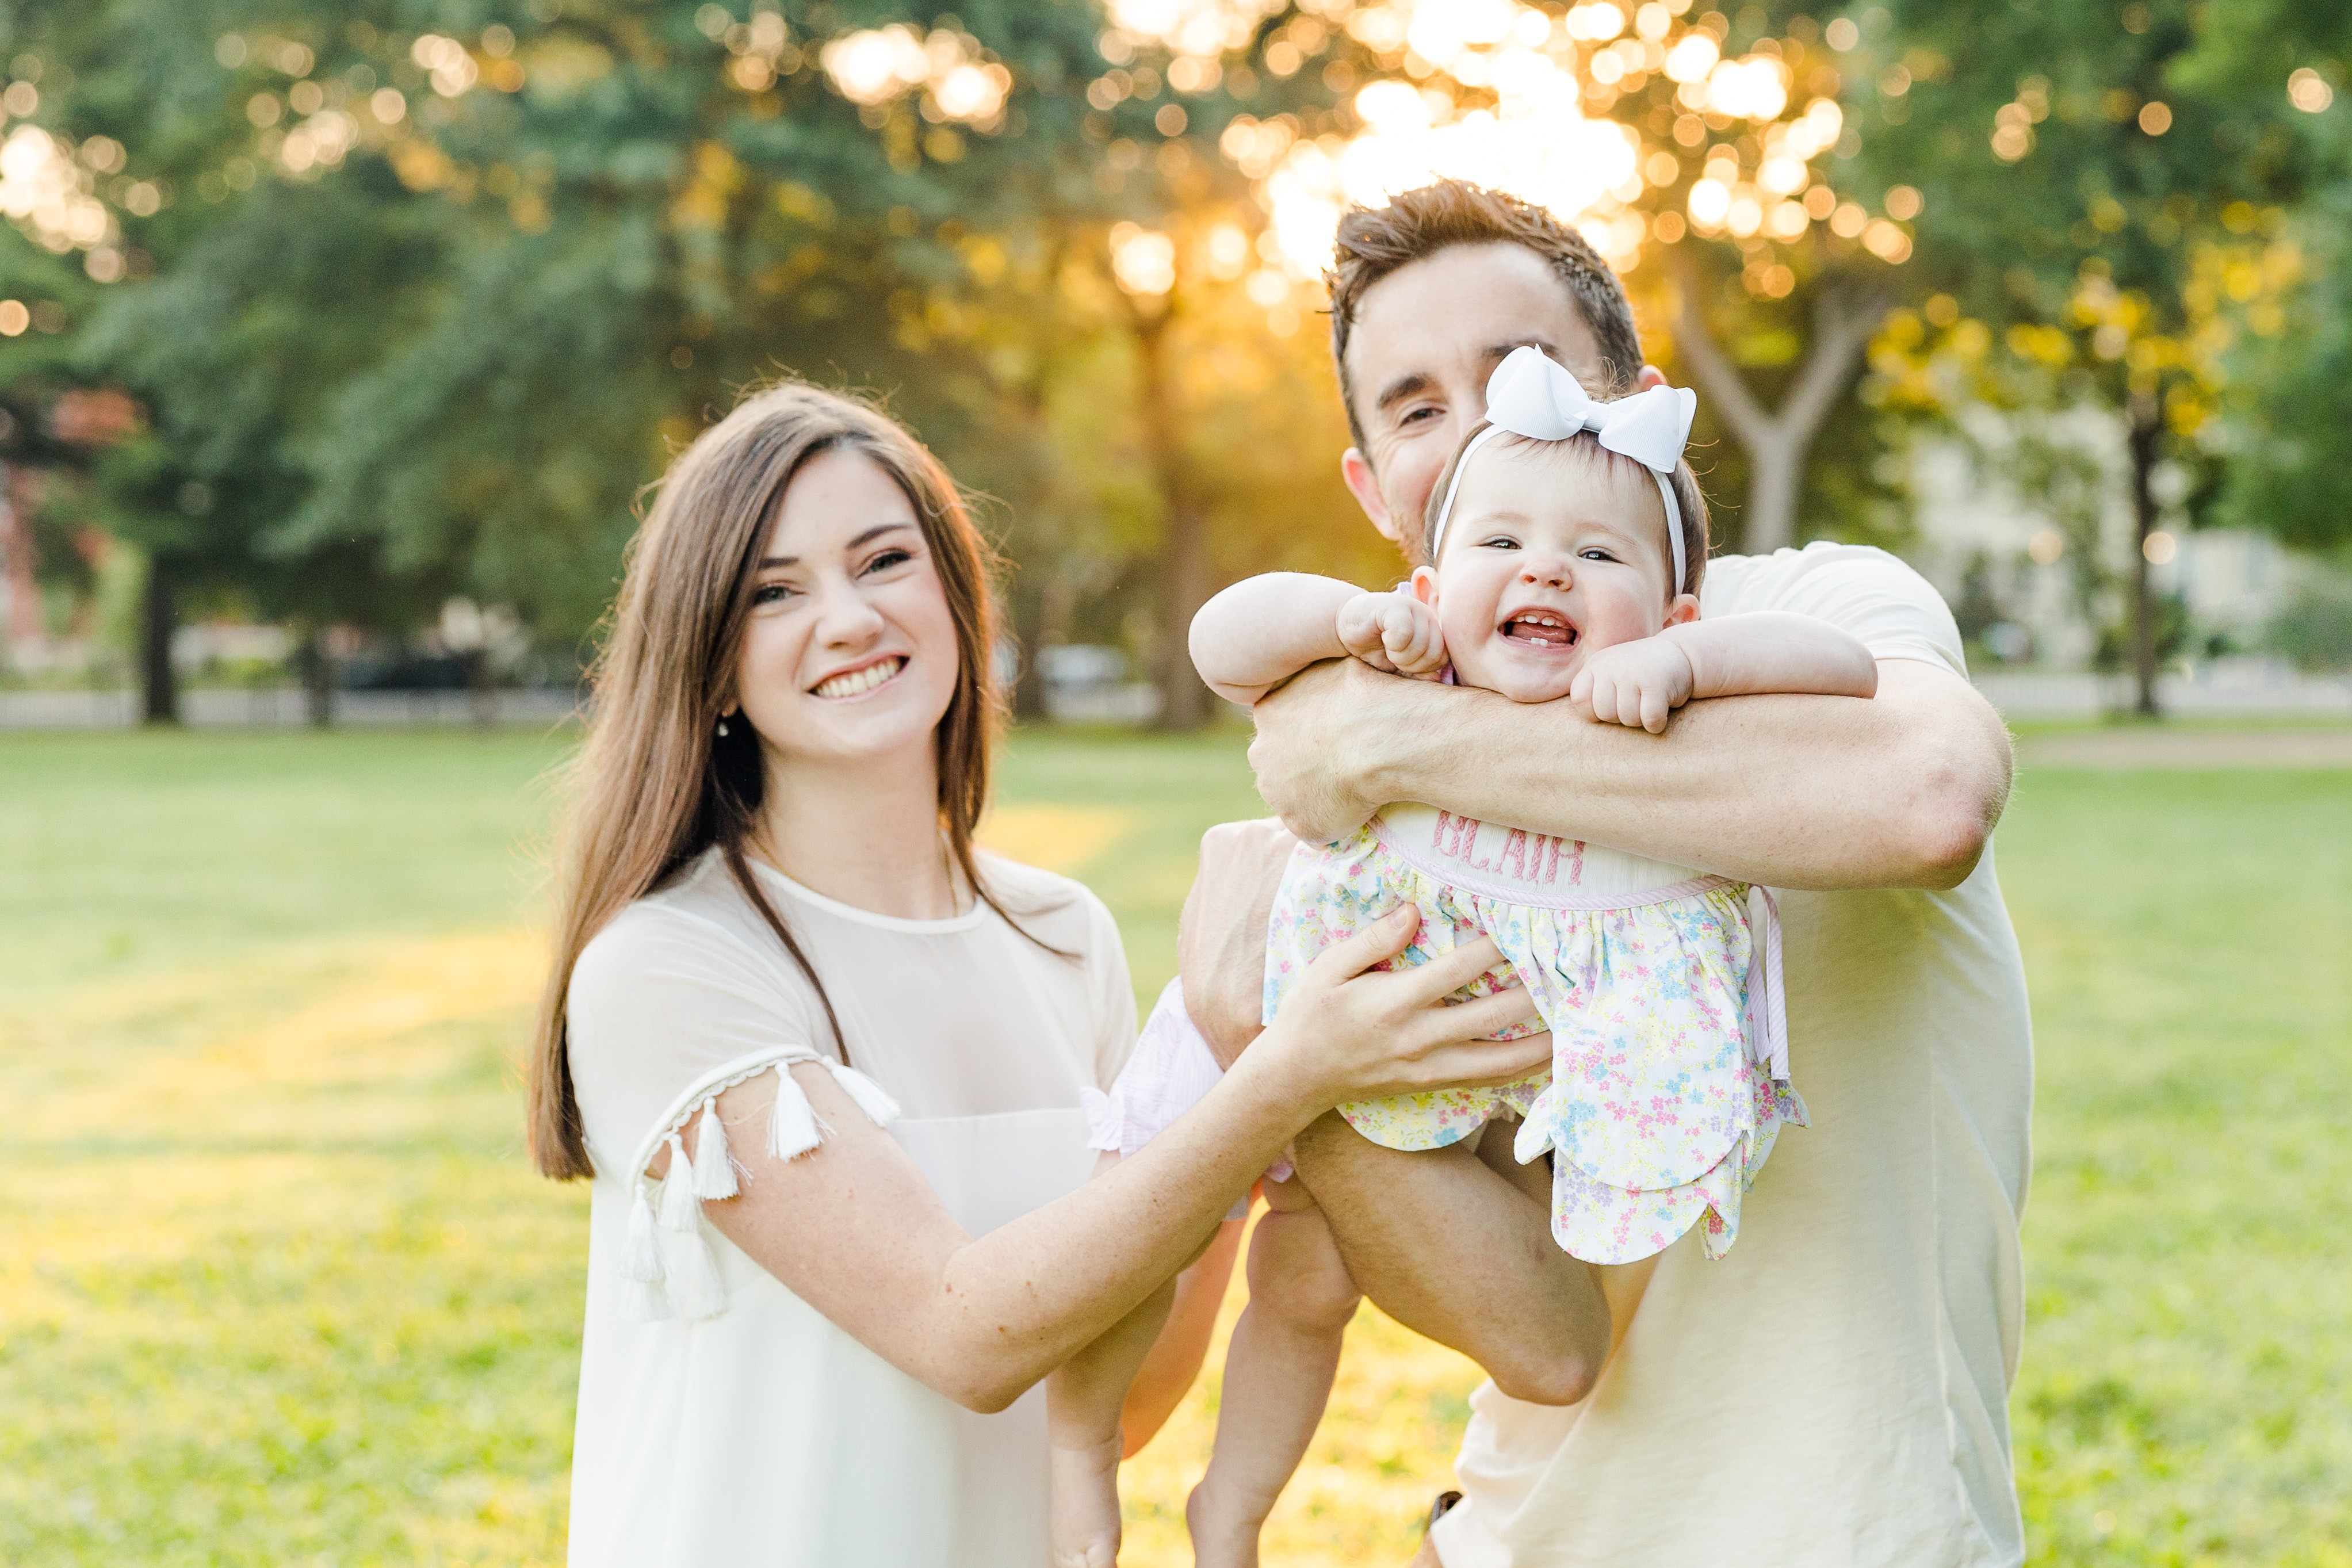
(861,681)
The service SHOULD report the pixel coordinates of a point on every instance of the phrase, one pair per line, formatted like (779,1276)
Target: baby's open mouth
(857,682)
(1541,629)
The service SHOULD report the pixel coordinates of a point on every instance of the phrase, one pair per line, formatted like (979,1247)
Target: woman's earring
(722,726)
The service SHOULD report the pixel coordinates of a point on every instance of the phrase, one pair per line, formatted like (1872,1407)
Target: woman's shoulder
(692,931)
(1031,892)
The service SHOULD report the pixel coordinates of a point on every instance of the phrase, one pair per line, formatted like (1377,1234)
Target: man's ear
(1356,469)
(1424,584)
(1651,377)
(1682,610)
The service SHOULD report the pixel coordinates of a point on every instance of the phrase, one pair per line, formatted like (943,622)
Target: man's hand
(1221,937)
(1392,632)
(1635,684)
(1318,744)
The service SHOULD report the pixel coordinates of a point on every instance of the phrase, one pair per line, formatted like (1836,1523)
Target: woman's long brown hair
(654,786)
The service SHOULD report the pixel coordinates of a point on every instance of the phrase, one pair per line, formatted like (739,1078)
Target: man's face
(1426,338)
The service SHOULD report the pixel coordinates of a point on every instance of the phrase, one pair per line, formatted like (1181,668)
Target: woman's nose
(847,618)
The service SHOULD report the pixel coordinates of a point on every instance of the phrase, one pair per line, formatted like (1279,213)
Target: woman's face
(850,653)
(1552,553)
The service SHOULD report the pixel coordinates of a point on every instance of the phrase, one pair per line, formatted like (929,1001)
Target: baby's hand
(1393,632)
(1635,684)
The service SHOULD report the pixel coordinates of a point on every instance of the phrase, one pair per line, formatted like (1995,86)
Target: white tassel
(680,1210)
(641,1263)
(698,1292)
(792,1127)
(871,1097)
(647,1302)
(714,1171)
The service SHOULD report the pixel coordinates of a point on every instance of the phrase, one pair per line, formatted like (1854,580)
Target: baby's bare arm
(1772,650)
(1263,630)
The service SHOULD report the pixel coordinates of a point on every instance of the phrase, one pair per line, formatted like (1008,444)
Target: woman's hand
(1394,633)
(1351,1035)
(1636,684)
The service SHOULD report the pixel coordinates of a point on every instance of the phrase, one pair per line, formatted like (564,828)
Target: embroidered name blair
(1534,858)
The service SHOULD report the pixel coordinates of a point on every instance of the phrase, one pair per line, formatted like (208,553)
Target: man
(1835,1390)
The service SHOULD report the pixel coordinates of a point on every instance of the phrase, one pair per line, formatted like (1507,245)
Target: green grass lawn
(277,1285)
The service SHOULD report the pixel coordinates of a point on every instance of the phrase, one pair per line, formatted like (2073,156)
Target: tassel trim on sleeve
(667,1261)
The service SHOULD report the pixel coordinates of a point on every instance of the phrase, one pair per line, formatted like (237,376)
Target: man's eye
(1419,416)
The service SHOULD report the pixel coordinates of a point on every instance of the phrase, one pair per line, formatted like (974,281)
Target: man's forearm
(1453,1250)
(1794,791)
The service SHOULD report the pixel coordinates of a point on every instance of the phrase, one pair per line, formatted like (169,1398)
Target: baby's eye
(1500,542)
(1594,553)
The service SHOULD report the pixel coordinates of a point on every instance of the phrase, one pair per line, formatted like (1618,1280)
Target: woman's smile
(858,682)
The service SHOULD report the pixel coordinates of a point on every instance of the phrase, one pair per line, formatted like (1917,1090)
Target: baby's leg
(1278,1373)
(1083,1397)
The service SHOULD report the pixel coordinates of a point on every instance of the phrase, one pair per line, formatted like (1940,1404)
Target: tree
(2083,183)
(1688,139)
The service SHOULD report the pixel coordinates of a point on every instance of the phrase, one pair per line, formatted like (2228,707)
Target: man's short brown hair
(1375,241)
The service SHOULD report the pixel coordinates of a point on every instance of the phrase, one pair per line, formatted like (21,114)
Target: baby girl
(1565,545)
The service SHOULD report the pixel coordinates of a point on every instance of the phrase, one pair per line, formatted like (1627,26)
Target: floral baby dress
(1669,1079)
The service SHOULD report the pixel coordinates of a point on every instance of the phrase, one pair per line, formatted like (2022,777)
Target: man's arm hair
(1901,790)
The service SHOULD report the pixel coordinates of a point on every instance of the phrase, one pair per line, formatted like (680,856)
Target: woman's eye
(770,593)
(890,558)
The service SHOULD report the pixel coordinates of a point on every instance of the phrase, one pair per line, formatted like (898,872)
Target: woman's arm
(854,1229)
(1638,683)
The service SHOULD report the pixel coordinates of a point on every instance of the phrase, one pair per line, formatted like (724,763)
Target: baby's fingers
(1604,698)
(1654,711)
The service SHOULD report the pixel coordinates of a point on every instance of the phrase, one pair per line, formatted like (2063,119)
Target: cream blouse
(723,1419)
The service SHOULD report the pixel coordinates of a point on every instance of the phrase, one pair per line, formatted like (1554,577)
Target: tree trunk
(159,682)
(317,674)
(1776,475)
(27,635)
(2146,426)
(481,695)
(1184,554)
(1776,440)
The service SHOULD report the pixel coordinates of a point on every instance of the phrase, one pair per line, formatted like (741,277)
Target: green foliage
(2315,627)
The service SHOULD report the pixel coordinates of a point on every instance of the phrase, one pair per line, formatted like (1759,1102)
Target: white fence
(286,708)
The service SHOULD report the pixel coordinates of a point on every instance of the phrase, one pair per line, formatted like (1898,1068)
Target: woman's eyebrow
(877,531)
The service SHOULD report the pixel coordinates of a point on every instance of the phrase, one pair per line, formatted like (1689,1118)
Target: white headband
(1530,395)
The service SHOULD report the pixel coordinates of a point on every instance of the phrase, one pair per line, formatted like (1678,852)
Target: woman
(810,1340)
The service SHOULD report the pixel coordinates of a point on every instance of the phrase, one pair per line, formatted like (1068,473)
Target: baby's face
(1553,551)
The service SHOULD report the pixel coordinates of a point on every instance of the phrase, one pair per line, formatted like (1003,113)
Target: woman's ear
(1682,610)
(1424,584)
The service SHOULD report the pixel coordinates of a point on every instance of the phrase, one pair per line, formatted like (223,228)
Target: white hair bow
(1529,395)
